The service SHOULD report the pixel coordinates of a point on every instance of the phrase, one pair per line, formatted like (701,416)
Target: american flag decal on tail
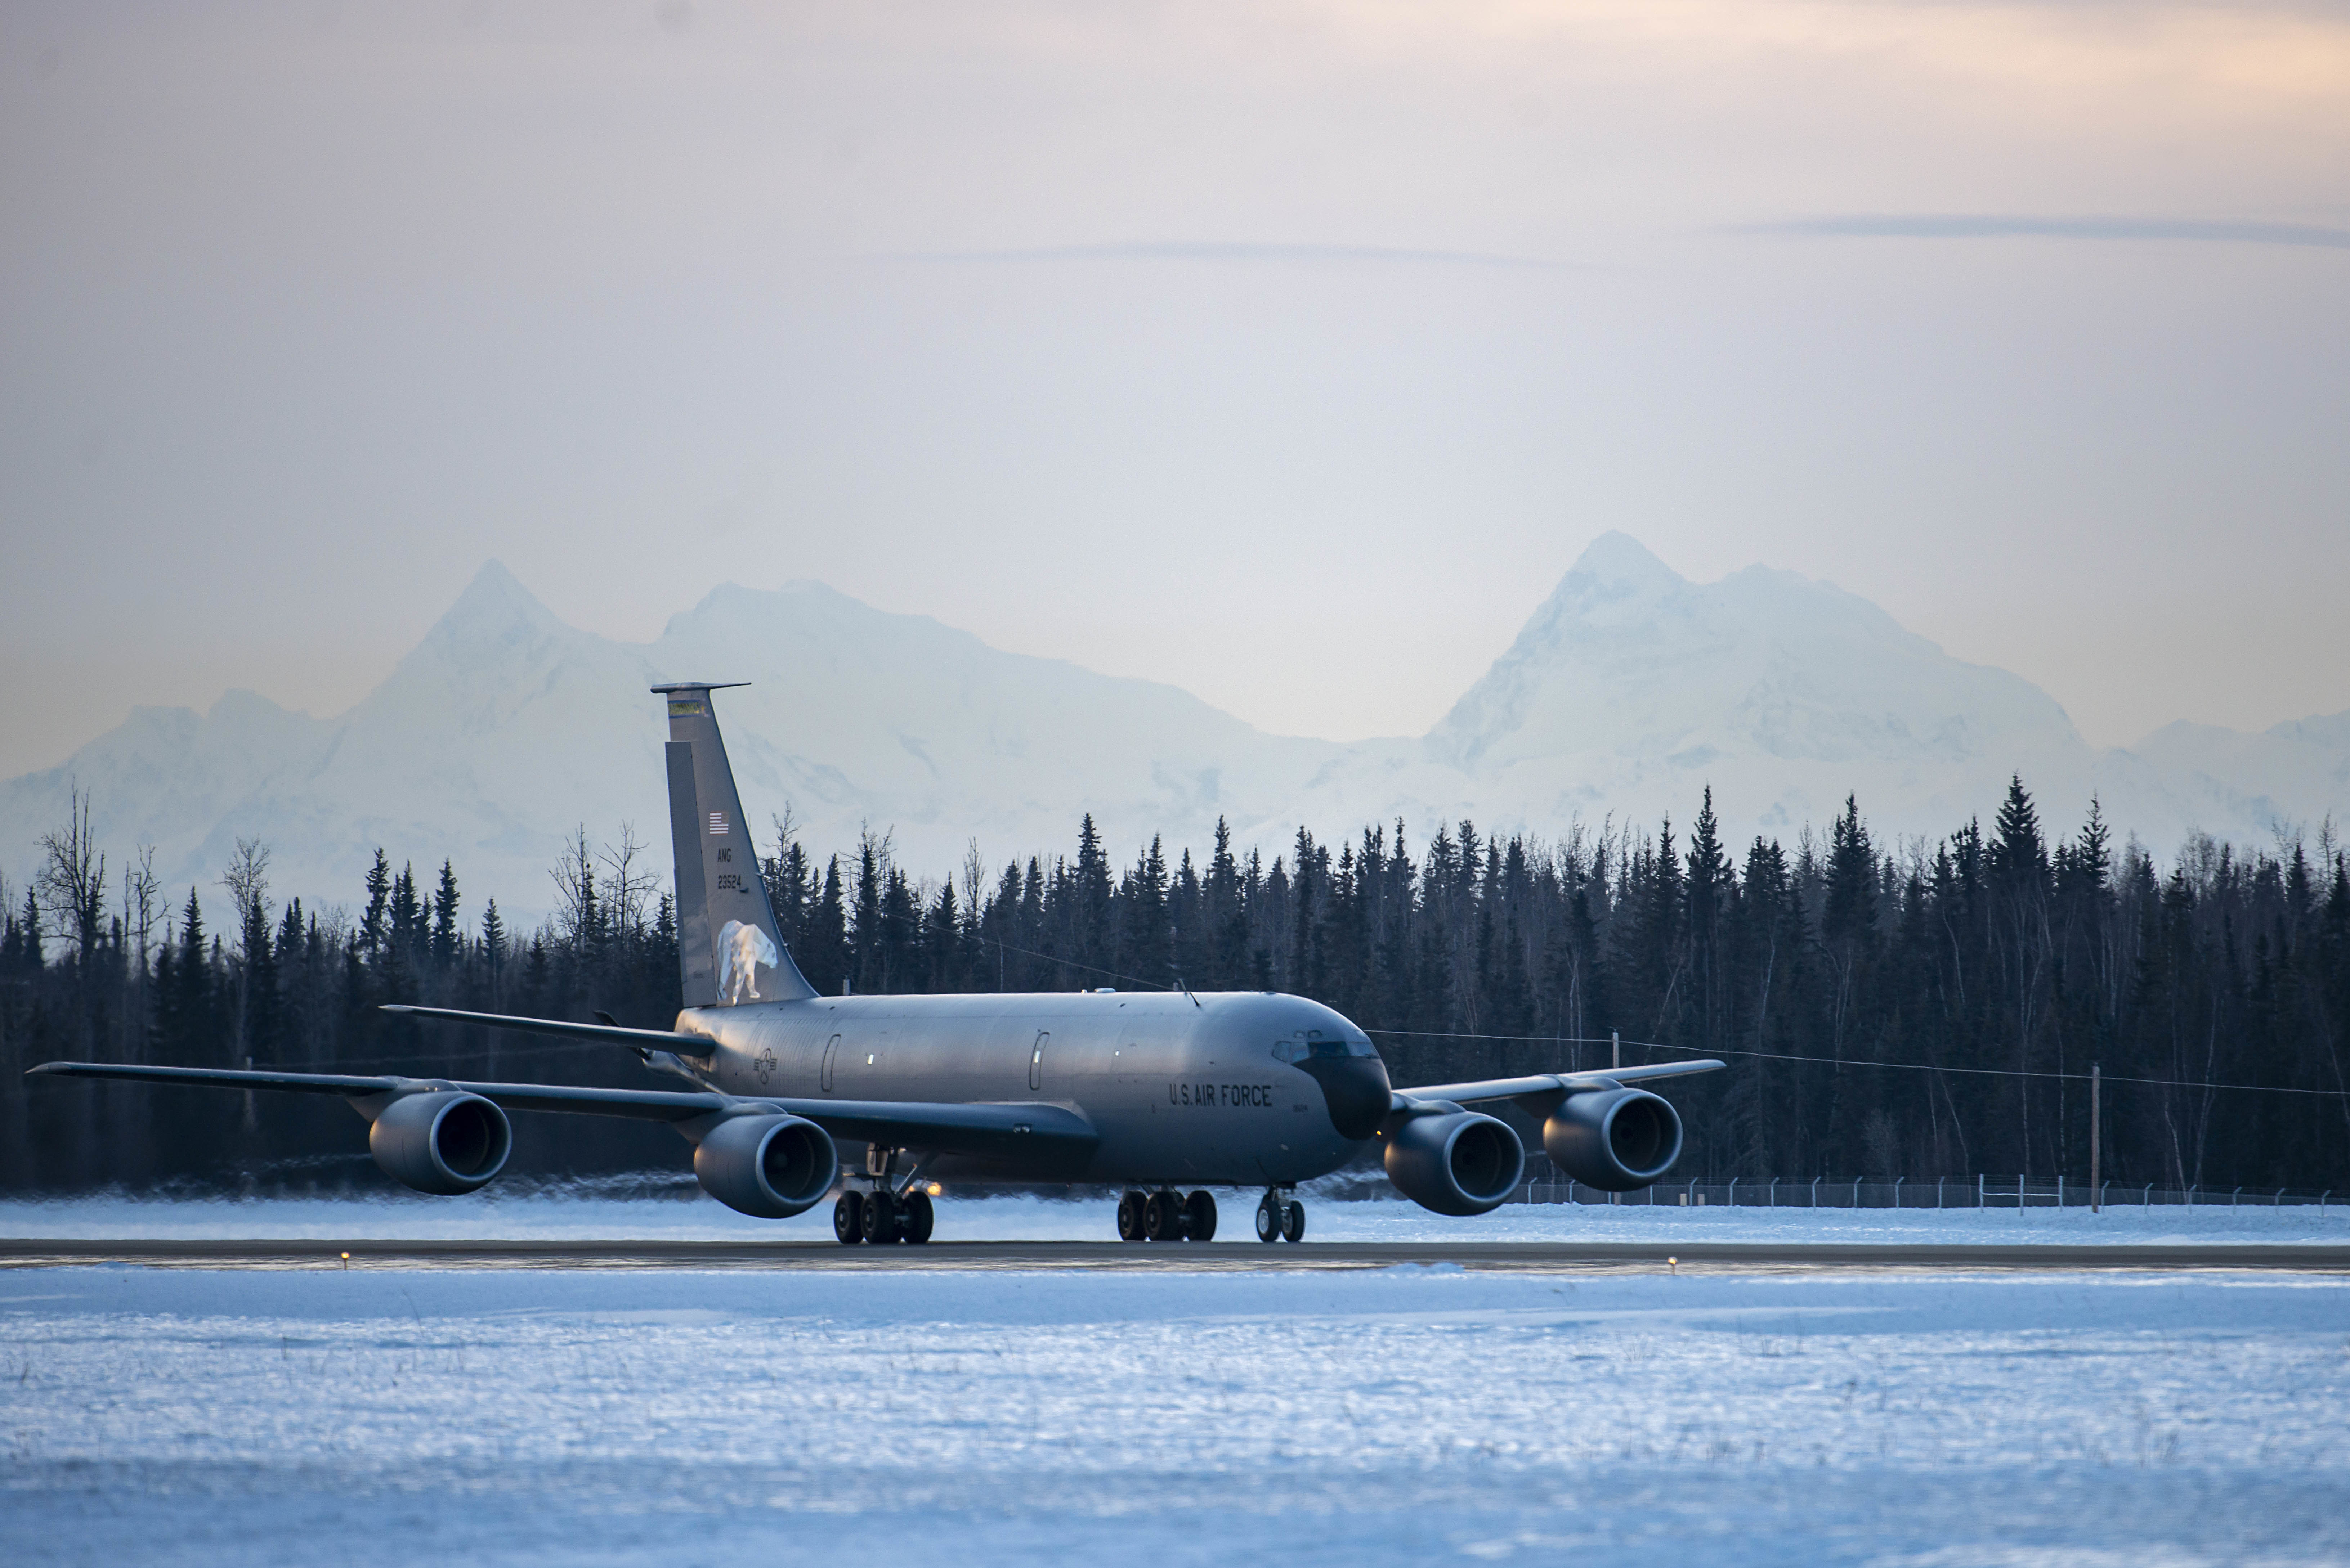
(717,824)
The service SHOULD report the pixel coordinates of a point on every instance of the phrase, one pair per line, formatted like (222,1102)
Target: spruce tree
(444,921)
(379,892)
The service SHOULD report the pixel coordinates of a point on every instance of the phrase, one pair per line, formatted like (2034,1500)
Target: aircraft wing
(1558,1083)
(988,1129)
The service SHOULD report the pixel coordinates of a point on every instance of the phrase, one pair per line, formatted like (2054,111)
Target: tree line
(1922,1009)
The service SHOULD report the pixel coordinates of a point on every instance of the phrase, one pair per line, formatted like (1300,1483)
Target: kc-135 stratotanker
(1158,1091)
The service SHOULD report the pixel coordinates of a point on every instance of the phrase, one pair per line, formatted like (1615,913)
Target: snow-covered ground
(1387,1415)
(582,1212)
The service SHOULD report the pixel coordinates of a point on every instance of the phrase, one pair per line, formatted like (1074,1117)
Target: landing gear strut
(881,1207)
(1166,1215)
(1280,1219)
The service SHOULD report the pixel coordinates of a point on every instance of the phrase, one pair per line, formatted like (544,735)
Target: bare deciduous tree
(628,888)
(974,883)
(579,916)
(71,883)
(247,881)
(140,891)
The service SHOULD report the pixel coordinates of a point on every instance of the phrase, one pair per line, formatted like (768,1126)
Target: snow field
(1405,1415)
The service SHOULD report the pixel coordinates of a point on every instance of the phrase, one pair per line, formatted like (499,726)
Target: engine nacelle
(1614,1140)
(773,1166)
(444,1141)
(1458,1162)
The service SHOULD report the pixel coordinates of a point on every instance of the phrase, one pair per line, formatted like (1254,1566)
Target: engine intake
(1458,1162)
(445,1141)
(1614,1140)
(772,1166)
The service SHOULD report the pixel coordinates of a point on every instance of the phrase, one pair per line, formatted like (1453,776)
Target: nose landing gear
(1280,1219)
(1166,1216)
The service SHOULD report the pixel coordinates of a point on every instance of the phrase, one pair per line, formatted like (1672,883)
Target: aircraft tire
(1129,1216)
(915,1224)
(1162,1217)
(1292,1221)
(1268,1219)
(882,1219)
(849,1219)
(1200,1216)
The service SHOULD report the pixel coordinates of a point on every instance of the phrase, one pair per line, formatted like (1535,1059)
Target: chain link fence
(1955,1193)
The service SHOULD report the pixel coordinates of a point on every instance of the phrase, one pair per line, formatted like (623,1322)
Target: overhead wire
(1862,1062)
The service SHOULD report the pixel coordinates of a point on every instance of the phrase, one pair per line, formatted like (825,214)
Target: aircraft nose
(1356,1089)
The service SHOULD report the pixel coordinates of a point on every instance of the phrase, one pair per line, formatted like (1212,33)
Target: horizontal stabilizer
(649,1039)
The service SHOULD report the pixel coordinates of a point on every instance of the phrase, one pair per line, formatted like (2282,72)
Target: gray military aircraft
(1155,1090)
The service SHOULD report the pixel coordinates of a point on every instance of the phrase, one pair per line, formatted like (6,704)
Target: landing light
(936,1190)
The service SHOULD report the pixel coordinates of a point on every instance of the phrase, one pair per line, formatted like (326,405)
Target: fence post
(1732,1196)
(1856,1192)
(2279,1200)
(2096,1193)
(1815,1190)
(1982,1197)
(1774,1192)
(2236,1197)
(1896,1189)
(2060,1190)
(2321,1201)
(2150,1197)
(2019,1195)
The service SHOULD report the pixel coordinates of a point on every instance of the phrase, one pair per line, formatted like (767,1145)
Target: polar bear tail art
(741,950)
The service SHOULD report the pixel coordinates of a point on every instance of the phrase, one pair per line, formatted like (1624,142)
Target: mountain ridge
(1629,691)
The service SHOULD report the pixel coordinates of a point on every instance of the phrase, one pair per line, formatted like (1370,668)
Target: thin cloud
(1240,253)
(1997,226)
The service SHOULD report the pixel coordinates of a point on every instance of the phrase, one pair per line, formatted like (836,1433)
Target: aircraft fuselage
(1247,1088)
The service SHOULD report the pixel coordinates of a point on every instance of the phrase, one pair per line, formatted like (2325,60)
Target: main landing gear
(1280,1219)
(1166,1216)
(881,1217)
(880,1206)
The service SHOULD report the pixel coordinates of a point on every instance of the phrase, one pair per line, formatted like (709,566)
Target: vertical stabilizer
(728,947)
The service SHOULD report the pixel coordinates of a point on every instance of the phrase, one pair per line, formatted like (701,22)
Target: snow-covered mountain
(1625,694)
(1631,690)
(506,728)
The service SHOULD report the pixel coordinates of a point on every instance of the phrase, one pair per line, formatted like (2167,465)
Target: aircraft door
(831,1050)
(1036,1060)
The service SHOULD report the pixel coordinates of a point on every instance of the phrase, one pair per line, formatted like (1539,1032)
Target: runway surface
(1518,1257)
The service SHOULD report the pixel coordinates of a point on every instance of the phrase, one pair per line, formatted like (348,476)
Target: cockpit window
(1315,1042)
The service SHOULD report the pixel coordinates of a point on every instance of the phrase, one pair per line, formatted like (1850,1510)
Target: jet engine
(772,1166)
(444,1141)
(1456,1162)
(1614,1140)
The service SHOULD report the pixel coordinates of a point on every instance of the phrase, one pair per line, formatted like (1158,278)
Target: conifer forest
(1914,1010)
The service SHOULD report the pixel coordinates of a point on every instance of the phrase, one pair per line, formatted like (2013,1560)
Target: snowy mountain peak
(1629,680)
(494,608)
(1616,563)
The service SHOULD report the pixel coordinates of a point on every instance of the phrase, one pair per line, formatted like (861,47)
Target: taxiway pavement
(1534,1257)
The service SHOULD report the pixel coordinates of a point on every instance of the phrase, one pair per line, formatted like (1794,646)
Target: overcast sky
(1286,352)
